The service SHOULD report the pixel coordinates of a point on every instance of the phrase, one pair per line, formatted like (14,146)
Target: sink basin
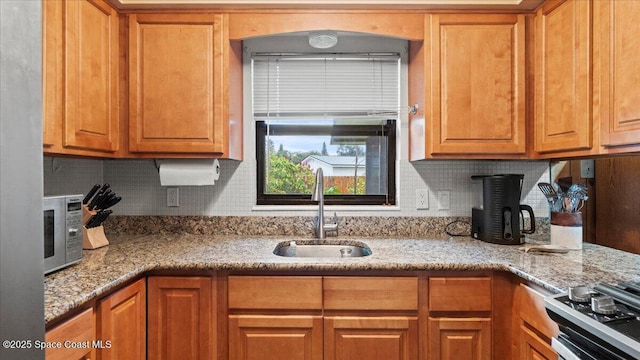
(324,249)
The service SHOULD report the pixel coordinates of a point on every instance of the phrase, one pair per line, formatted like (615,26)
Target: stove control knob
(603,305)
(579,294)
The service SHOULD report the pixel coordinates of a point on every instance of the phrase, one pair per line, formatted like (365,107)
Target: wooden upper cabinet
(563,115)
(80,77)
(616,27)
(475,85)
(177,82)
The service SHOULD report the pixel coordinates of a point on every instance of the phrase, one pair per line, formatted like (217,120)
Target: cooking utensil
(90,194)
(104,198)
(97,219)
(548,192)
(95,199)
(114,200)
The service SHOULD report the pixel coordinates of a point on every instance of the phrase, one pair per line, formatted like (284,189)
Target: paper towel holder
(188,172)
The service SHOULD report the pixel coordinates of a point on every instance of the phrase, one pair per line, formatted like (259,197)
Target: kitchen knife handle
(106,196)
(90,194)
(96,198)
(114,200)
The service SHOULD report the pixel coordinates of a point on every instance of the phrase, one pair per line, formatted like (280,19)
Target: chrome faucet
(318,195)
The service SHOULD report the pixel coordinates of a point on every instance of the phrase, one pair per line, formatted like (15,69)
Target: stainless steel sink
(324,249)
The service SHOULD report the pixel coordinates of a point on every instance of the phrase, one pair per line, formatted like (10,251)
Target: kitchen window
(332,111)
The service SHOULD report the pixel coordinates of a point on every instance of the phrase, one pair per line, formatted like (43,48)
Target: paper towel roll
(189,172)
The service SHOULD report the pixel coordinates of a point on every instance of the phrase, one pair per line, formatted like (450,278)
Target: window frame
(389,131)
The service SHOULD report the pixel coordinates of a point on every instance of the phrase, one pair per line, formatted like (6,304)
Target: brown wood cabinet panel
(275,292)
(618,203)
(476,90)
(52,72)
(533,347)
(401,25)
(80,78)
(91,75)
(181,318)
(532,327)
(459,338)
(122,320)
(619,50)
(79,329)
(360,337)
(529,306)
(370,293)
(460,294)
(563,76)
(266,337)
(177,77)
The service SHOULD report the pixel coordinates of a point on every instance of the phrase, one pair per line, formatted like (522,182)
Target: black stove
(602,321)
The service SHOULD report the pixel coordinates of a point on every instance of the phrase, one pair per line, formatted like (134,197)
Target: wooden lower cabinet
(181,318)
(79,330)
(532,327)
(122,324)
(532,347)
(459,338)
(363,337)
(275,337)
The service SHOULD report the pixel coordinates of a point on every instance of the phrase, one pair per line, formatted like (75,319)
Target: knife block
(92,238)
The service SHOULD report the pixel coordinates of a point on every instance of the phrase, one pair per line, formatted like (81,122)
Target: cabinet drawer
(370,293)
(80,329)
(460,294)
(275,292)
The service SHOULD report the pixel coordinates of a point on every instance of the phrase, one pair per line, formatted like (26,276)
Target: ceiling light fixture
(323,39)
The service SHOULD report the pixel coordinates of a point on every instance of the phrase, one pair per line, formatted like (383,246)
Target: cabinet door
(176,71)
(460,338)
(534,348)
(619,51)
(181,318)
(80,329)
(275,337)
(532,327)
(476,100)
(80,78)
(122,320)
(383,338)
(563,76)
(91,75)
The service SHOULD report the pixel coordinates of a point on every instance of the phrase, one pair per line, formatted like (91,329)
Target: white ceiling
(521,5)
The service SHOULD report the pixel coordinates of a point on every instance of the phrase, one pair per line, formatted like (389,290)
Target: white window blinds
(304,87)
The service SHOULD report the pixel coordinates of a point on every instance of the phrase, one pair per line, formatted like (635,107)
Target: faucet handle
(336,220)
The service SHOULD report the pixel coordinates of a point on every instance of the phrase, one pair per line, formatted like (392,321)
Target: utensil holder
(566,229)
(92,238)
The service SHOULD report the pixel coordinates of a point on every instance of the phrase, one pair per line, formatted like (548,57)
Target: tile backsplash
(138,183)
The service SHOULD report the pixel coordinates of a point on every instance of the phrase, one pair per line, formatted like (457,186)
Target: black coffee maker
(495,217)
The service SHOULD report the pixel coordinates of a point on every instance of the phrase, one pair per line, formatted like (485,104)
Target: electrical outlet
(173,197)
(587,169)
(422,199)
(444,200)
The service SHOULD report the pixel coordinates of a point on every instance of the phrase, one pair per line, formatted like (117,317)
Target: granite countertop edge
(128,257)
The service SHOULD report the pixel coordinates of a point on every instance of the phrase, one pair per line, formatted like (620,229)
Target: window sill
(327,208)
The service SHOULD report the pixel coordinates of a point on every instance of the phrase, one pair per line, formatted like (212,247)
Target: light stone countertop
(128,256)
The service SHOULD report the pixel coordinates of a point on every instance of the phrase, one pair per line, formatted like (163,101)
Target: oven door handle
(564,351)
